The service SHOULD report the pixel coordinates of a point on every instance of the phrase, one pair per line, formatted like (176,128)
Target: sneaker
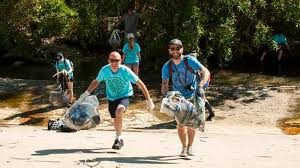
(202,127)
(118,144)
(210,117)
(183,152)
(189,151)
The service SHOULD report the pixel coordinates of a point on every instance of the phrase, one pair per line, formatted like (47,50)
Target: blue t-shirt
(181,76)
(280,39)
(118,84)
(64,64)
(131,55)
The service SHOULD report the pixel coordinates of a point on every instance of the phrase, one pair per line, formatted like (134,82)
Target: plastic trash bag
(185,112)
(58,98)
(83,115)
(115,39)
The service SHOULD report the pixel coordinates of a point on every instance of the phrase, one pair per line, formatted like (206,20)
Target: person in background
(132,54)
(282,46)
(64,67)
(130,20)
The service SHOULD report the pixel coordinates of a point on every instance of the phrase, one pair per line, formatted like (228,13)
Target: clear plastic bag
(83,115)
(185,112)
(115,39)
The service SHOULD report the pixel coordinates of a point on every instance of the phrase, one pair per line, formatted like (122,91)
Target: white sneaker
(189,151)
(183,152)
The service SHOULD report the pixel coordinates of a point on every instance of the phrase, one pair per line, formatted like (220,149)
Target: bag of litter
(83,115)
(115,39)
(58,98)
(185,112)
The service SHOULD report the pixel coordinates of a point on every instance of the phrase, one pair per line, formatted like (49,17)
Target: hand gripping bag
(185,112)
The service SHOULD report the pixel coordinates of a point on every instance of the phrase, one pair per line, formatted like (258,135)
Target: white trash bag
(83,115)
(115,39)
(185,112)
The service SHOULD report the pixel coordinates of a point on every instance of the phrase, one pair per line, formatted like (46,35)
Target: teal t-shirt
(64,64)
(118,84)
(280,39)
(131,55)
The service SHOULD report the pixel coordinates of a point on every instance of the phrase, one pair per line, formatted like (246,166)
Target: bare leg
(70,90)
(118,121)
(130,66)
(191,135)
(182,133)
(136,69)
(261,61)
(279,61)
(279,57)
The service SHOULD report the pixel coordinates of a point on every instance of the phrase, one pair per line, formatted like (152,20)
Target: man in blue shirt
(118,79)
(186,83)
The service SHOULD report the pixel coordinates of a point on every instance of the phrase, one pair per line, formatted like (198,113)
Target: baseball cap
(59,54)
(176,42)
(130,35)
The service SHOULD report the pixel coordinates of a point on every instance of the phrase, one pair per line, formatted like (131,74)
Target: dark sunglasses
(175,48)
(114,60)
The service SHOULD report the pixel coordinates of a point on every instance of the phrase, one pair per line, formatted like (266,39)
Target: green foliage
(5,41)
(222,31)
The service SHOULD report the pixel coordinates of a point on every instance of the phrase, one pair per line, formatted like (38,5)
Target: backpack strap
(56,65)
(187,65)
(65,62)
(190,68)
(170,68)
(170,73)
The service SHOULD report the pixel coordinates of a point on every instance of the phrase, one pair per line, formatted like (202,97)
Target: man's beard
(175,56)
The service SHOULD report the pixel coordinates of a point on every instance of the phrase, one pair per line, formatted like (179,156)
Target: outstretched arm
(150,104)
(93,86)
(164,86)
(144,89)
(205,76)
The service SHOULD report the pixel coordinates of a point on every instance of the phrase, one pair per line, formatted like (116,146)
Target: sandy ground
(244,134)
(35,147)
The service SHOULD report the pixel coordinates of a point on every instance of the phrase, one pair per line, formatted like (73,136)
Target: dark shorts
(71,79)
(112,105)
(67,78)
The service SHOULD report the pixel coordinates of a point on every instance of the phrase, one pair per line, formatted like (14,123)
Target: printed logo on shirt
(115,85)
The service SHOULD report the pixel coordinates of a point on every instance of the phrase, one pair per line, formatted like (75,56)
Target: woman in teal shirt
(64,66)
(132,54)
